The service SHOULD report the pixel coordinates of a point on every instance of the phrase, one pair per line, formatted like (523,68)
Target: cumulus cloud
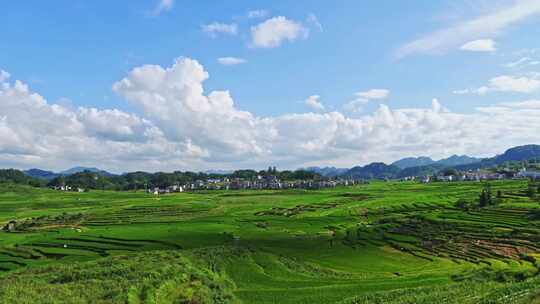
(216,28)
(231,60)
(314,103)
(180,126)
(173,98)
(484,25)
(505,83)
(37,133)
(273,32)
(481,45)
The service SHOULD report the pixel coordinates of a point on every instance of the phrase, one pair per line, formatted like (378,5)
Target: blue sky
(356,59)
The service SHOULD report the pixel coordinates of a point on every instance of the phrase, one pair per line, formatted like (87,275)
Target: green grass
(394,243)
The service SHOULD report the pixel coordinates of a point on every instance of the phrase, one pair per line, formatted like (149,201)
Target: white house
(524,173)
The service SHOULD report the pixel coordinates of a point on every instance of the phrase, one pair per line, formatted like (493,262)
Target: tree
(247,174)
(531,190)
(18,177)
(450,172)
(463,204)
(499,198)
(57,181)
(486,197)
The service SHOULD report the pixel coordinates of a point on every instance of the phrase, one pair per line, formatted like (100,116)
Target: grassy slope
(158,277)
(272,255)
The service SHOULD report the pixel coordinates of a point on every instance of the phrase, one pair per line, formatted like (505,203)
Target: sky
(165,85)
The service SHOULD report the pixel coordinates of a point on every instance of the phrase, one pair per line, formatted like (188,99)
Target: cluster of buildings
(67,188)
(275,184)
(524,173)
(259,183)
(478,176)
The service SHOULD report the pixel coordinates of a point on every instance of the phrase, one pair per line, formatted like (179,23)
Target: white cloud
(215,28)
(486,25)
(514,84)
(273,32)
(355,105)
(522,62)
(174,100)
(180,126)
(483,90)
(527,104)
(374,94)
(314,21)
(518,63)
(314,103)
(37,133)
(362,98)
(231,60)
(163,6)
(4,76)
(462,91)
(481,45)
(505,83)
(257,14)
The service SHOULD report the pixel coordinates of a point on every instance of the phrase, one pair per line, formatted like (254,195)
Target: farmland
(383,242)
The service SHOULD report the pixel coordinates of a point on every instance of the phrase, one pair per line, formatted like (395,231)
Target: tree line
(144,180)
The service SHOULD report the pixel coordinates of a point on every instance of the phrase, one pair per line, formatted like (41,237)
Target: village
(273,181)
(269,182)
(469,176)
(477,176)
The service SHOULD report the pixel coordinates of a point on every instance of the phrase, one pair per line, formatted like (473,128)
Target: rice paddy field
(383,242)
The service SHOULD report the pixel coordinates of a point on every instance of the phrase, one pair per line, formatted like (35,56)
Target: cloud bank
(180,126)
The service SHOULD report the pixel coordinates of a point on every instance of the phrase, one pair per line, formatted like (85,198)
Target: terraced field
(376,243)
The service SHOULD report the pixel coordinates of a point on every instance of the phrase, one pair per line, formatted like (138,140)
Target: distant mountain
(49,175)
(519,153)
(82,169)
(428,170)
(217,171)
(327,171)
(41,174)
(422,166)
(373,171)
(410,162)
(457,160)
(411,166)
(454,160)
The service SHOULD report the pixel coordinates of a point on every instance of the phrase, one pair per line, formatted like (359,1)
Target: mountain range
(327,171)
(410,166)
(49,175)
(454,160)
(421,166)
